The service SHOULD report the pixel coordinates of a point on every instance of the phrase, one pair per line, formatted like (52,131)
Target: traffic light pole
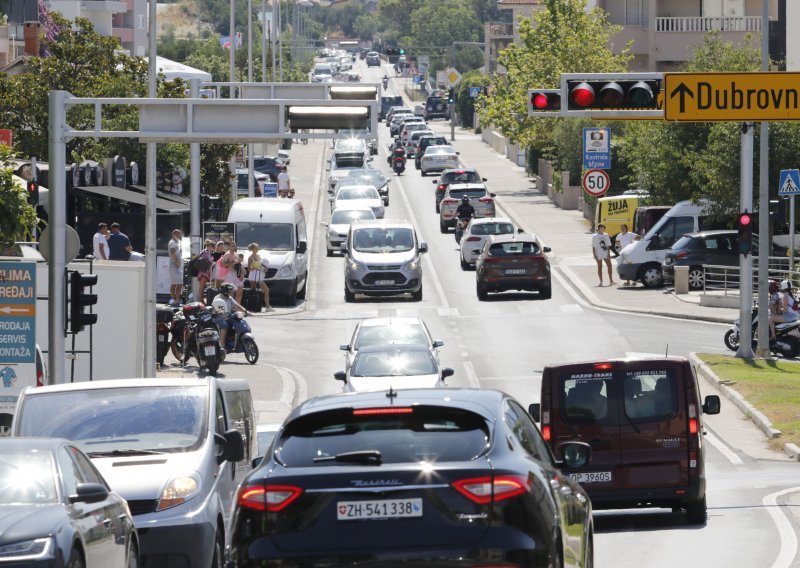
(745,350)
(56,337)
(762,349)
(194,195)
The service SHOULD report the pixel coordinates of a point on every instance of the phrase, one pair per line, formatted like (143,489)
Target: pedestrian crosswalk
(479,310)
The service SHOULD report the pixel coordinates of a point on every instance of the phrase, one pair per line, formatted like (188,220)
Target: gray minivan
(175,448)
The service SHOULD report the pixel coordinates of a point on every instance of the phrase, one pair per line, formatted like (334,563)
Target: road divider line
(472,376)
(788,539)
(724,450)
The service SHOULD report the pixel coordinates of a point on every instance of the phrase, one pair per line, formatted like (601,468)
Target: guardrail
(725,279)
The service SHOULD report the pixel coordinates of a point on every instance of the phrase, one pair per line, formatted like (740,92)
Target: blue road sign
(17,312)
(474,92)
(789,183)
(596,148)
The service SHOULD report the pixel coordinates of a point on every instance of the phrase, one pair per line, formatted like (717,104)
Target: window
(636,12)
(584,398)
(671,229)
(513,249)
(239,404)
(720,243)
(650,395)
(525,432)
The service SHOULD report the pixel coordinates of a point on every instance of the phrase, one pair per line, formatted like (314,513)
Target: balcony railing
(701,24)
(500,30)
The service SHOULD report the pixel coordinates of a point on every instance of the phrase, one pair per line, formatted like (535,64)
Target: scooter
(202,338)
(385,83)
(461,226)
(242,340)
(399,160)
(785,344)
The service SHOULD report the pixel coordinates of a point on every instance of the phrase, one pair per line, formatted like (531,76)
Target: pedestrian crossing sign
(789,183)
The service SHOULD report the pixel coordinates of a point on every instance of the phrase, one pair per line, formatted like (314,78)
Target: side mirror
(447,372)
(476,251)
(576,454)
(492,195)
(343,248)
(520,231)
(423,247)
(323,223)
(231,446)
(89,493)
(331,199)
(340,376)
(328,167)
(302,247)
(534,410)
(711,404)
(546,249)
(434,182)
(458,153)
(484,179)
(344,347)
(438,343)
(256,462)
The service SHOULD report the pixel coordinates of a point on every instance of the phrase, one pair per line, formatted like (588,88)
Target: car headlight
(28,549)
(413,265)
(286,271)
(178,491)
(331,232)
(355,266)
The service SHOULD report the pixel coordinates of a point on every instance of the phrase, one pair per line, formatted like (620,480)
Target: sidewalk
(568,234)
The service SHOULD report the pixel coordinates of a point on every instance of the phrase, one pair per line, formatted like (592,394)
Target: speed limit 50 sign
(596,182)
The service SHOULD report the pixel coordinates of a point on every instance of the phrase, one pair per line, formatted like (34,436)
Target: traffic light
(78,300)
(451,96)
(544,102)
(33,192)
(744,223)
(619,94)
(401,51)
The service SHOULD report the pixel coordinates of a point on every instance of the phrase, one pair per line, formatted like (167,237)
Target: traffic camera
(744,224)
(618,94)
(544,102)
(78,300)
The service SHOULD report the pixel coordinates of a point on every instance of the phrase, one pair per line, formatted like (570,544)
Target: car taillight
(603,366)
(546,433)
(693,426)
(473,239)
(270,498)
(680,254)
(441,187)
(386,410)
(449,201)
(485,200)
(483,490)
(39,378)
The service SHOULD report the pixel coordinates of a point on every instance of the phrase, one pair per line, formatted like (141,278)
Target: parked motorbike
(201,337)
(164,318)
(399,160)
(240,337)
(785,343)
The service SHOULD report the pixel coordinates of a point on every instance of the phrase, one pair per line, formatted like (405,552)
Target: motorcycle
(385,83)
(785,344)
(240,337)
(202,338)
(399,160)
(164,318)
(461,226)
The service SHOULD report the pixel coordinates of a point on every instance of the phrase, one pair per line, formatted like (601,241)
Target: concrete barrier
(681,279)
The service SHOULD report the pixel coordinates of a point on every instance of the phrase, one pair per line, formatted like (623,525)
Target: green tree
(465,105)
(17,217)
(443,22)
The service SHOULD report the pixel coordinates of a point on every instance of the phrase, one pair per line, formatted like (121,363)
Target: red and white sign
(6,137)
(596,182)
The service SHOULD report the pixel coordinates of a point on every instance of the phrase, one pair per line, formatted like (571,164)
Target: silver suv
(382,258)
(479,198)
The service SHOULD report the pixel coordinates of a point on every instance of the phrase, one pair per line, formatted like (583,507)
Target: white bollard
(681,279)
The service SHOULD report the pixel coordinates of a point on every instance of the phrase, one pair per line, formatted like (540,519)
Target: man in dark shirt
(119,246)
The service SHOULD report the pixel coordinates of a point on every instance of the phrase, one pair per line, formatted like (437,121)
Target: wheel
(386,203)
(75,559)
(546,291)
(482,294)
(464,264)
(423,173)
(732,340)
(437,207)
(417,296)
(443,227)
(218,561)
(301,294)
(651,276)
(328,252)
(792,349)
(250,350)
(696,513)
(212,365)
(176,346)
(696,278)
(292,297)
(349,296)
(133,556)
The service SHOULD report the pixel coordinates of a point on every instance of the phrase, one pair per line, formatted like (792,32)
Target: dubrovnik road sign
(735,97)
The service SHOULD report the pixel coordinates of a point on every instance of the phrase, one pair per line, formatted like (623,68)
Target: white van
(641,260)
(279,228)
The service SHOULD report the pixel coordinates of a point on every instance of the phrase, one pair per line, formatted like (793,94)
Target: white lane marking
(725,450)
(472,376)
(570,308)
(447,312)
(436,282)
(788,539)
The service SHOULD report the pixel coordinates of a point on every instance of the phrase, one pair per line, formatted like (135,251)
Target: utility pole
(745,350)
(250,147)
(762,349)
(149,367)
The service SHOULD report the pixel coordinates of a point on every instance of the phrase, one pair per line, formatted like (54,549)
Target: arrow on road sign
(23,310)
(682,90)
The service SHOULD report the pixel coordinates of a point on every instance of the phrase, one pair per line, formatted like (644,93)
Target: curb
(756,416)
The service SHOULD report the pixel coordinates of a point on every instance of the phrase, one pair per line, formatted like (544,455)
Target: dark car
(436,107)
(424,142)
(513,262)
(715,248)
(414,477)
(268,165)
(373,59)
(388,102)
(57,510)
(461,175)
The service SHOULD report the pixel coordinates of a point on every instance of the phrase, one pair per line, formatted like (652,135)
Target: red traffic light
(544,102)
(539,101)
(582,95)
(33,187)
(745,220)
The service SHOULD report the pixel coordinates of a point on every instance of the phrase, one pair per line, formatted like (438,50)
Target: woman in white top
(256,269)
(601,249)
(787,310)
(624,238)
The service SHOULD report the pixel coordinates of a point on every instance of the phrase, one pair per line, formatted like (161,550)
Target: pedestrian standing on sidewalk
(119,245)
(100,242)
(175,267)
(257,267)
(601,249)
(624,238)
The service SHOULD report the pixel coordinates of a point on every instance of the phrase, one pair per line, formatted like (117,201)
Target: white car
(382,367)
(438,158)
(339,225)
(476,234)
(358,195)
(412,142)
(409,128)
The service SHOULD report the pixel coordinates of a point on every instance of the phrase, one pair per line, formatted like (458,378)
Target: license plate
(162,338)
(384,282)
(209,350)
(515,271)
(592,477)
(382,509)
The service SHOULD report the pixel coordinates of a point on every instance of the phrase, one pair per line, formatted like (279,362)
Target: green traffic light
(402,52)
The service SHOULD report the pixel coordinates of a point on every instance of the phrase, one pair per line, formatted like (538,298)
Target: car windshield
(375,177)
(269,236)
(160,419)
(461,177)
(27,477)
(321,71)
(515,248)
(395,363)
(408,334)
(491,228)
(357,193)
(347,216)
(682,243)
(382,239)
(351,145)
(422,434)
(440,150)
(471,193)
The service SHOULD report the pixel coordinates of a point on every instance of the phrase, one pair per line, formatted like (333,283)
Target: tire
(75,559)
(349,296)
(731,340)
(212,365)
(386,203)
(133,556)
(464,264)
(437,207)
(328,252)
(422,172)
(650,276)
(696,512)
(443,228)
(417,296)
(482,294)
(794,346)
(250,350)
(546,292)
(218,560)
(301,294)
(176,346)
(696,278)
(291,299)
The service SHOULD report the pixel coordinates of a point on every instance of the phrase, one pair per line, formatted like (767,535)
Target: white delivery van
(641,260)
(279,228)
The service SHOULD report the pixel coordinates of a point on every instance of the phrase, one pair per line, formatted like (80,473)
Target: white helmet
(786,285)
(220,306)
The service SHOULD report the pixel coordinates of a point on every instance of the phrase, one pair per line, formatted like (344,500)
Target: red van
(643,420)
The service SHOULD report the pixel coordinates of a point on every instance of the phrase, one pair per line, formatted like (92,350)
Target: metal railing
(707,24)
(725,279)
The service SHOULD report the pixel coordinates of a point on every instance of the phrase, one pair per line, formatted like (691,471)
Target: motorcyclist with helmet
(786,310)
(224,305)
(464,213)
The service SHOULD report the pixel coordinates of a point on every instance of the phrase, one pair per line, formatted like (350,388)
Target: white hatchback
(438,158)
(358,195)
(476,234)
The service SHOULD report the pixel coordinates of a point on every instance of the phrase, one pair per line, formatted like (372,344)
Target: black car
(436,107)
(461,175)
(57,510)
(695,250)
(373,59)
(268,165)
(417,477)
